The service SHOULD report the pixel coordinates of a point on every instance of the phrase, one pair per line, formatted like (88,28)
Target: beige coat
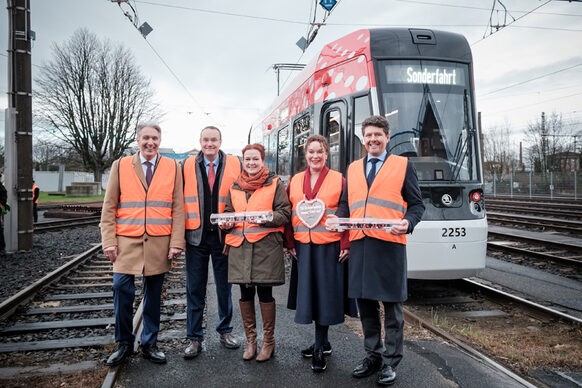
(145,254)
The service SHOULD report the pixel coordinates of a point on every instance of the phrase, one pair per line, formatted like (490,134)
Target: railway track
(537,209)
(47,324)
(490,323)
(51,226)
(566,253)
(534,222)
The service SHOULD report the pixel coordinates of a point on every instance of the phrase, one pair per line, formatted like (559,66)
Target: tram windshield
(429,107)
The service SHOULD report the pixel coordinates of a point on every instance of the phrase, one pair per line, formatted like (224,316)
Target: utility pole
(544,157)
(19,228)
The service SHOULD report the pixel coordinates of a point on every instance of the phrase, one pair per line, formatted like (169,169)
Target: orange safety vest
(382,200)
(260,200)
(329,192)
(191,204)
(142,210)
(34,187)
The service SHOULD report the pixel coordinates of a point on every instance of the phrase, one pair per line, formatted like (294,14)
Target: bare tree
(91,95)
(548,138)
(498,149)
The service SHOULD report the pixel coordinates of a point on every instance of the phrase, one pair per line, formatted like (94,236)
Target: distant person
(255,256)
(320,257)
(3,209)
(381,186)
(142,230)
(207,179)
(35,195)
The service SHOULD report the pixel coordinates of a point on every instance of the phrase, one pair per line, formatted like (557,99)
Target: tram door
(333,128)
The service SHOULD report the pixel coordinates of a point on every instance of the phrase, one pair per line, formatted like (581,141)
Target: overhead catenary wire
(519,18)
(134,21)
(531,79)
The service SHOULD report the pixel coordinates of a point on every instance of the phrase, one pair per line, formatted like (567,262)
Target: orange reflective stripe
(260,200)
(383,200)
(229,174)
(140,211)
(329,192)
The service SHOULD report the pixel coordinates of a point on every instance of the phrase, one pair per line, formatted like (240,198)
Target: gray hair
(213,128)
(144,124)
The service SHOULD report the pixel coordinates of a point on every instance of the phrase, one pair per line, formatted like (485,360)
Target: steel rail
(534,210)
(533,240)
(411,317)
(113,373)
(8,306)
(537,220)
(548,205)
(539,255)
(532,305)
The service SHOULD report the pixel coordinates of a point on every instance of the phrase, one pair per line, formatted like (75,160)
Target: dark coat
(377,268)
(261,262)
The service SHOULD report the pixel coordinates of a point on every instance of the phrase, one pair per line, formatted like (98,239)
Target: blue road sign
(328,4)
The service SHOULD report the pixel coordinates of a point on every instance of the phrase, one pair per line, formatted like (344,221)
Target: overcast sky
(222,53)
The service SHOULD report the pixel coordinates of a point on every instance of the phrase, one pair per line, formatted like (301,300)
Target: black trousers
(391,348)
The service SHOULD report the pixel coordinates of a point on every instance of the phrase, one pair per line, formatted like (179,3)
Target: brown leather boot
(268,311)
(247,311)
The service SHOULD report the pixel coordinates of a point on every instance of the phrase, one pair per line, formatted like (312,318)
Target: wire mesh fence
(530,184)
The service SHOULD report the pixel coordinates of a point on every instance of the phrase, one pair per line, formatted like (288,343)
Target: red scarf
(251,183)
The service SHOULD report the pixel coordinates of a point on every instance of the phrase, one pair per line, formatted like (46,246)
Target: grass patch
(45,198)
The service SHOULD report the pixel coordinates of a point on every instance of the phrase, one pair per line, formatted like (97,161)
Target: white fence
(49,180)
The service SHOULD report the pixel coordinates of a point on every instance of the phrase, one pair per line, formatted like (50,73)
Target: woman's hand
(227,225)
(344,254)
(292,252)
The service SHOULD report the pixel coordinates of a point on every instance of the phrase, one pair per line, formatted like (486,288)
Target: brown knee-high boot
(268,311)
(247,310)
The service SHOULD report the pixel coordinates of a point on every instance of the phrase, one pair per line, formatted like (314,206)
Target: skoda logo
(446,199)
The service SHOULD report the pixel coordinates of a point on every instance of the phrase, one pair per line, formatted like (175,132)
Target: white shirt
(144,165)
(381,158)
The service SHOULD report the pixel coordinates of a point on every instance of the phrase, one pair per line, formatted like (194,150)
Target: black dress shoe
(367,367)
(318,361)
(308,353)
(386,376)
(152,353)
(122,351)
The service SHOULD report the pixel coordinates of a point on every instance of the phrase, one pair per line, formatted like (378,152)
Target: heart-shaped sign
(310,212)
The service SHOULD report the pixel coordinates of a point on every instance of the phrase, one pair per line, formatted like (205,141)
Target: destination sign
(430,75)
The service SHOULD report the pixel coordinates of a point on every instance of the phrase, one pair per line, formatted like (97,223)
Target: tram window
(333,127)
(301,129)
(283,149)
(361,112)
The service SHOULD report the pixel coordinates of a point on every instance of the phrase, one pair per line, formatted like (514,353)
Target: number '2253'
(454,232)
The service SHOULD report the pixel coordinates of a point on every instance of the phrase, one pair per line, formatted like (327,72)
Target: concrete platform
(426,363)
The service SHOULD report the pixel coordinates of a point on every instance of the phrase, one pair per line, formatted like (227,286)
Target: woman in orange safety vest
(318,294)
(255,258)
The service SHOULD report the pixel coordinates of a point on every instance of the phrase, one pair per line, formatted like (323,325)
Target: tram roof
(370,44)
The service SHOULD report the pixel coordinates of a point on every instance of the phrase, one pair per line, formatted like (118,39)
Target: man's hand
(174,252)
(292,252)
(401,228)
(111,253)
